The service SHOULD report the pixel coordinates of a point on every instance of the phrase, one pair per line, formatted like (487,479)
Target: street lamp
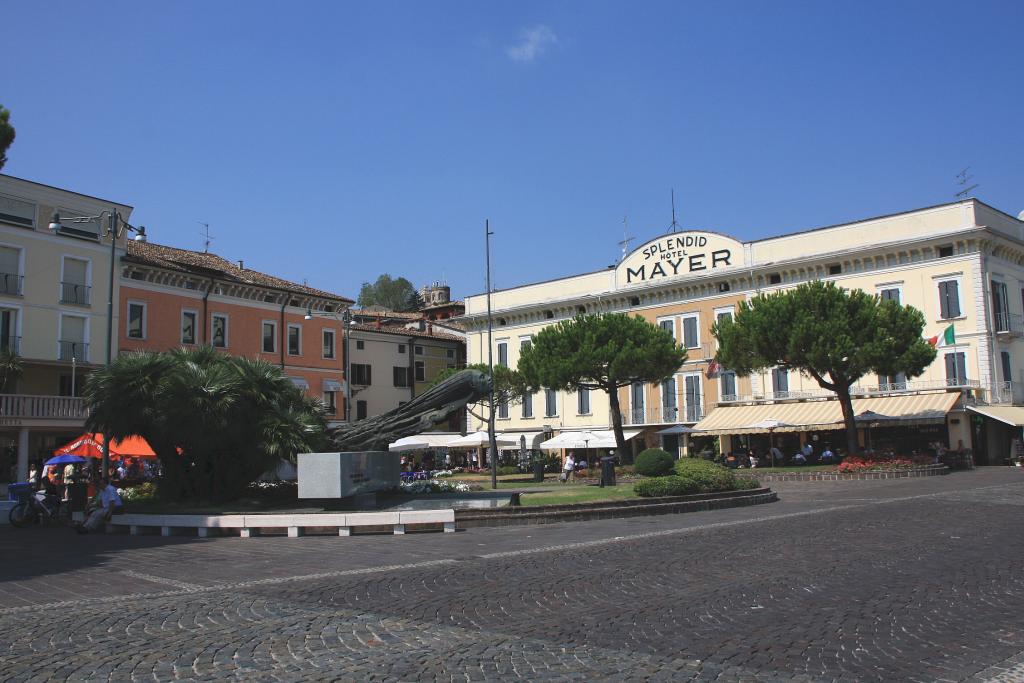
(346,322)
(116,226)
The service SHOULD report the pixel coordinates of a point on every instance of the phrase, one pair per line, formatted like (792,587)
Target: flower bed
(866,463)
(434,486)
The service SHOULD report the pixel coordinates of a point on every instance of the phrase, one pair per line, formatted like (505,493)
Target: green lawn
(562,494)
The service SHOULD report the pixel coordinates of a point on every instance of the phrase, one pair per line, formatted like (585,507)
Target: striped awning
(333,385)
(802,416)
(300,382)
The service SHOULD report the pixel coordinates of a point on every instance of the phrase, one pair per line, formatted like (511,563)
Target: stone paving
(899,580)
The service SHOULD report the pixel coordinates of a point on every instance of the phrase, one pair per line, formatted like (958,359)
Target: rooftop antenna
(206,234)
(675,224)
(962,178)
(626,239)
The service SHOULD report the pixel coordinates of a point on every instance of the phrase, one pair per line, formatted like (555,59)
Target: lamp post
(346,328)
(116,226)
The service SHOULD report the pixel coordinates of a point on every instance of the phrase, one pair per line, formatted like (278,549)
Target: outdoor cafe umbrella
(482,439)
(407,443)
(869,416)
(769,425)
(64,460)
(90,445)
(681,429)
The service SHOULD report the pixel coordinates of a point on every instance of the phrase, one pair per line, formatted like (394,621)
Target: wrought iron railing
(73,293)
(75,350)
(11,343)
(1009,323)
(11,283)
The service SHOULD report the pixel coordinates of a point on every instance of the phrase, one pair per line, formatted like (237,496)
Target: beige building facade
(961,264)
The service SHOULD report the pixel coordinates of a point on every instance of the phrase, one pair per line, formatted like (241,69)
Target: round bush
(653,462)
(709,476)
(666,486)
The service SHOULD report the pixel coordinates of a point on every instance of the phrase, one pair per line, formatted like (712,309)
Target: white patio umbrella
(477,439)
(685,431)
(582,439)
(769,425)
(407,443)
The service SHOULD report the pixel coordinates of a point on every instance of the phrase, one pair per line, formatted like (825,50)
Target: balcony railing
(72,293)
(76,350)
(1001,392)
(11,284)
(42,407)
(700,353)
(11,343)
(1009,323)
(873,390)
(662,414)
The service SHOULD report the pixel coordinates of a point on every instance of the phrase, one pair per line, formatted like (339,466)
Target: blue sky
(331,142)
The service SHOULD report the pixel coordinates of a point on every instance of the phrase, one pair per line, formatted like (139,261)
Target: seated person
(753,460)
(799,458)
(776,455)
(826,455)
(109,503)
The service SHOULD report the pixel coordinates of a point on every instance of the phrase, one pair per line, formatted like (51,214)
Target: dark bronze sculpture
(419,414)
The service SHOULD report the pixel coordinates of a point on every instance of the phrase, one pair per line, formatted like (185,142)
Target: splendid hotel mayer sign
(677,255)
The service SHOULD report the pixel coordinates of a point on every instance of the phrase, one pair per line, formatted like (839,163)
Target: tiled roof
(447,304)
(405,332)
(211,265)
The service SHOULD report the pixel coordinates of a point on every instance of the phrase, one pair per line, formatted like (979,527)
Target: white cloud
(532,44)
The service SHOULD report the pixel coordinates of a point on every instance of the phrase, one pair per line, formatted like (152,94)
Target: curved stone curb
(766,475)
(552,514)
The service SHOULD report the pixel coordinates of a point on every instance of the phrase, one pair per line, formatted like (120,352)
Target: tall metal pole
(490,361)
(346,321)
(112,229)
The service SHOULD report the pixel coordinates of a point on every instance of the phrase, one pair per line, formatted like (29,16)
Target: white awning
(533,439)
(299,382)
(1011,415)
(425,440)
(333,385)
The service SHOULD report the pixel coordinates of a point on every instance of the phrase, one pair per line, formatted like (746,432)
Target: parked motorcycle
(39,507)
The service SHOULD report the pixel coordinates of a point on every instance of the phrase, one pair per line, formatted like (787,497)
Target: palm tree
(215,421)
(10,369)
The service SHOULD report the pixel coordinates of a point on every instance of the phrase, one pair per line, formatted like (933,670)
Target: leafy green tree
(6,134)
(604,352)
(834,335)
(215,421)
(508,388)
(393,294)
(10,369)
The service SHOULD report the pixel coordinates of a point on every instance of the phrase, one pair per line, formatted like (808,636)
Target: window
(669,402)
(188,327)
(527,404)
(949,299)
(690,337)
(550,403)
(17,212)
(774,279)
(360,345)
(74,282)
(503,410)
(269,336)
(1007,372)
(10,271)
(330,402)
(897,382)
(780,381)
(329,343)
(220,330)
(361,374)
(583,401)
(956,369)
(691,394)
(401,348)
(418,350)
(136,320)
(724,286)
(360,410)
(890,294)
(9,339)
(65,387)
(450,354)
(946,252)
(637,412)
(401,376)
(1001,306)
(728,383)
(669,326)
(72,343)
(503,353)
(421,371)
(835,268)
(294,340)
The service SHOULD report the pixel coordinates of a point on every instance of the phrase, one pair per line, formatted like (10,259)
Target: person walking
(568,467)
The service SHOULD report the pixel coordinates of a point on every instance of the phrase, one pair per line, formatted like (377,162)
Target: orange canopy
(90,445)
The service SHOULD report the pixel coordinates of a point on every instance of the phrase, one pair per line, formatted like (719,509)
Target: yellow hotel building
(961,264)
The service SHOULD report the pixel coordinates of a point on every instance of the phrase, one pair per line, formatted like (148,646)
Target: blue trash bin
(19,491)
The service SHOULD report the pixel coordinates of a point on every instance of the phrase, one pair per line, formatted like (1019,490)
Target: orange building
(175,297)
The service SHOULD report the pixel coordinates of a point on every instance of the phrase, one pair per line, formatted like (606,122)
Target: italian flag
(947,338)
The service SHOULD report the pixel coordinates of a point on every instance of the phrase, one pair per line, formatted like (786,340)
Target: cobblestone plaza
(899,580)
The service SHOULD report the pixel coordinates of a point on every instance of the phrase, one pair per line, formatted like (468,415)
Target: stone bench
(296,524)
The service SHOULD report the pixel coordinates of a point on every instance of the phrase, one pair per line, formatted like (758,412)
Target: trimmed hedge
(693,475)
(653,462)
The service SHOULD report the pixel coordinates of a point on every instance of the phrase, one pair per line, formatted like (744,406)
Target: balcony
(1009,324)
(855,391)
(1004,392)
(72,293)
(24,406)
(11,284)
(73,350)
(11,343)
(700,353)
(662,415)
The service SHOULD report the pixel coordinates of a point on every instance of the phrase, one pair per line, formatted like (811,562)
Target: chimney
(241,264)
